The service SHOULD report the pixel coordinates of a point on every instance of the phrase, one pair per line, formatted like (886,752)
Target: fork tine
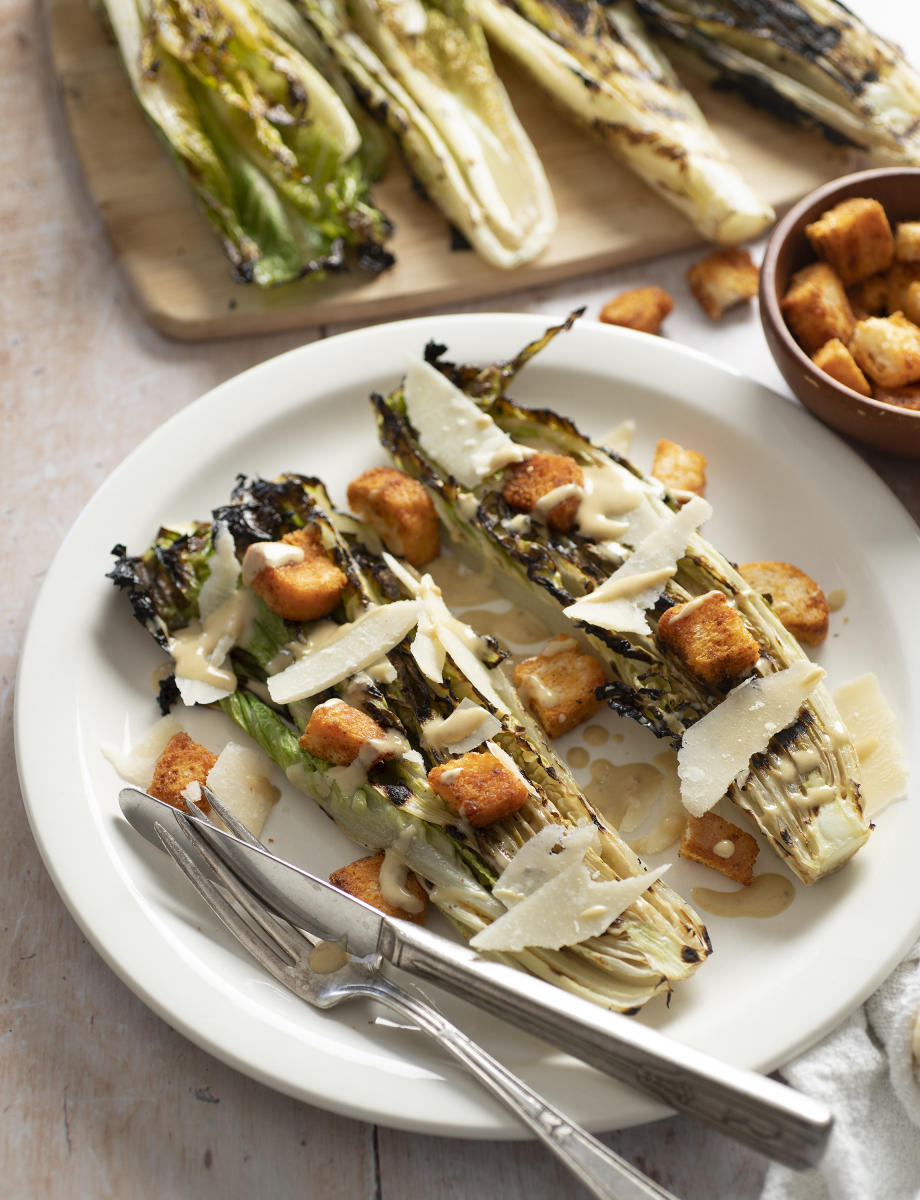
(285,936)
(267,954)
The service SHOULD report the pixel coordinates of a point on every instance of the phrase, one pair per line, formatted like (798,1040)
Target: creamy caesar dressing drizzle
(559,645)
(394,874)
(692,605)
(578,757)
(724,848)
(461,724)
(545,505)
(326,957)
(201,648)
(533,690)
(609,493)
(595,735)
(836,599)
(767,896)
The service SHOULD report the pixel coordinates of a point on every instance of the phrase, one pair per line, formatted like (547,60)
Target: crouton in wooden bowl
(837,306)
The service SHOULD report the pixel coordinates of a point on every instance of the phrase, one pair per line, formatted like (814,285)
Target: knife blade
(761,1112)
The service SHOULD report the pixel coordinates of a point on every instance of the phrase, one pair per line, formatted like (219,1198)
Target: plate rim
(515,329)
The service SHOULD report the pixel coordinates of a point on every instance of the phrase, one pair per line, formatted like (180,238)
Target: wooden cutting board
(607,216)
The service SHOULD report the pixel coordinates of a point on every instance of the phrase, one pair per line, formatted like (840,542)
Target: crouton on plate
(479,787)
(400,510)
(528,484)
(710,638)
(362,879)
(717,843)
(678,468)
(797,600)
(558,684)
(183,761)
(305,590)
(337,733)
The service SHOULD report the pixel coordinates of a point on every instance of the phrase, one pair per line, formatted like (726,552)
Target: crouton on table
(797,600)
(362,879)
(816,307)
(854,237)
(400,510)
(559,685)
(834,359)
(528,483)
(710,638)
(641,308)
(887,349)
(305,590)
(183,761)
(678,468)
(717,843)
(479,787)
(723,279)
(337,733)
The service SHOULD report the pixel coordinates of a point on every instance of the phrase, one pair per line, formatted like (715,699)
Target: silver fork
(294,960)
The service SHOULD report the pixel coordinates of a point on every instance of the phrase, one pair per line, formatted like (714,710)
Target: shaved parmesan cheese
(456,433)
(263,556)
(239,781)
(467,727)
(136,765)
(510,765)
(874,730)
(720,744)
(357,645)
(541,858)
(224,573)
(566,910)
(621,601)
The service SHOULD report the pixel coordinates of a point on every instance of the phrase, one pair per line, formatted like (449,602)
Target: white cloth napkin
(865,1071)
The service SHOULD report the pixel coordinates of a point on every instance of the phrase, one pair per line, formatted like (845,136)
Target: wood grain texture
(607,215)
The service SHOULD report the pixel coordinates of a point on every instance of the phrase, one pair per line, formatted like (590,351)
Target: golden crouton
(723,279)
(898,282)
(797,600)
(905,397)
(679,469)
(835,360)
(401,511)
(911,306)
(303,591)
(869,297)
(710,638)
(854,237)
(526,483)
(559,685)
(717,843)
(641,308)
(887,349)
(478,787)
(182,762)
(362,879)
(336,733)
(816,307)
(907,241)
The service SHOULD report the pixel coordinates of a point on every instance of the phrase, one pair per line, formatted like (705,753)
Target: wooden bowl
(885,426)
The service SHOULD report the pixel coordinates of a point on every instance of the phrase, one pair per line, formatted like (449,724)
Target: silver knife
(774,1119)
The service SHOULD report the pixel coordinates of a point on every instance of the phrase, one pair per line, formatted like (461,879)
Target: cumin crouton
(898,282)
(869,297)
(400,510)
(797,600)
(678,468)
(336,733)
(362,879)
(854,237)
(816,307)
(709,637)
(717,843)
(887,349)
(302,591)
(835,360)
(182,762)
(723,279)
(528,482)
(905,397)
(642,308)
(559,683)
(907,241)
(478,787)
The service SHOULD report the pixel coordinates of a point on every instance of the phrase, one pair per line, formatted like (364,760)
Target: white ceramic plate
(782,487)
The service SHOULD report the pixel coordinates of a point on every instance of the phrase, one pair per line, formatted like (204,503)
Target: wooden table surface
(100,1097)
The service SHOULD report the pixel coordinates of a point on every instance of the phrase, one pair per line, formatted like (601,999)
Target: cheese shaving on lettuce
(720,745)
(620,603)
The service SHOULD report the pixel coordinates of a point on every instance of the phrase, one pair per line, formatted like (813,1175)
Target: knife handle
(772,1118)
